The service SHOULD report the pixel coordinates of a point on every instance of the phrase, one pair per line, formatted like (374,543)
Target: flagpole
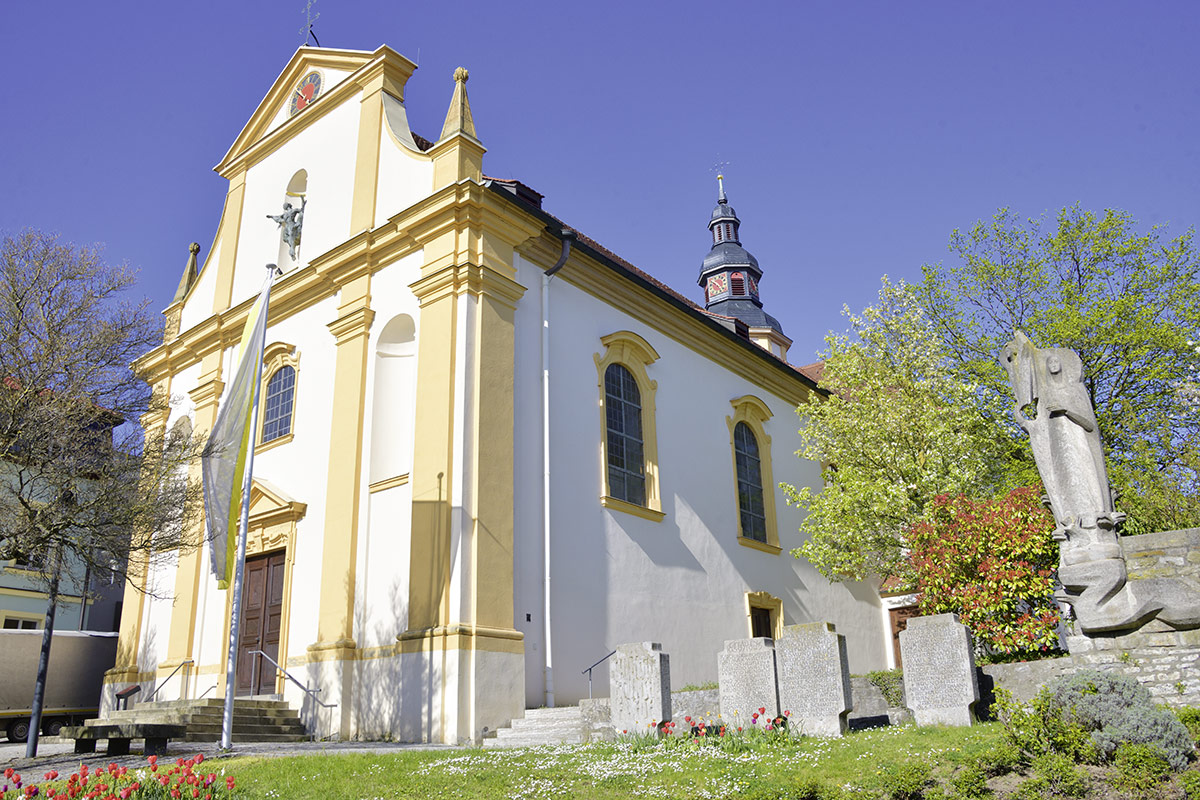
(239,566)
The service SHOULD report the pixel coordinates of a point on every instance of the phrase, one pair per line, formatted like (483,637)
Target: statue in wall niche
(1053,406)
(290,222)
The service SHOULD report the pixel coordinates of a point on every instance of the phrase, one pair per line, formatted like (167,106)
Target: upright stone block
(640,683)
(746,674)
(814,678)
(940,685)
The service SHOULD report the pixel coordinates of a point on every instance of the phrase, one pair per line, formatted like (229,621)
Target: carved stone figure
(1053,406)
(290,222)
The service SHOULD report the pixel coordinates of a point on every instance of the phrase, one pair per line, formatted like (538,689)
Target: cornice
(603,282)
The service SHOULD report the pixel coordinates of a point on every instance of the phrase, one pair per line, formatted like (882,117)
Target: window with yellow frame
(629,441)
(753,481)
(276,422)
(764,615)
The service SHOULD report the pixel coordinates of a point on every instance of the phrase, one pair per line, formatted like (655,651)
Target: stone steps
(254,720)
(540,727)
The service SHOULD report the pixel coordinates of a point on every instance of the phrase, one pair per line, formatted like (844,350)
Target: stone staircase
(254,720)
(542,726)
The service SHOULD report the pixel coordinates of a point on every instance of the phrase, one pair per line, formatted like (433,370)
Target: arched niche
(394,400)
(295,195)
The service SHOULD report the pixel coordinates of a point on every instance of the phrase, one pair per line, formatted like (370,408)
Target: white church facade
(489,450)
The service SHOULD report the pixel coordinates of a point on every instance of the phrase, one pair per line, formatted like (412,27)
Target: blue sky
(857,135)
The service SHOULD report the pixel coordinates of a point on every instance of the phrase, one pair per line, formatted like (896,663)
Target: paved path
(56,754)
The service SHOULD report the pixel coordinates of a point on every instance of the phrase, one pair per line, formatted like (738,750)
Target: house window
(623,416)
(277,410)
(15,624)
(764,613)
(752,474)
(749,480)
(278,400)
(629,452)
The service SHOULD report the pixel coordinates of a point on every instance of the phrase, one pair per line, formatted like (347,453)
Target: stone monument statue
(290,222)
(1053,406)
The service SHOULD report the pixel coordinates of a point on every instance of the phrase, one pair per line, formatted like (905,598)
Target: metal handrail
(164,682)
(310,692)
(588,671)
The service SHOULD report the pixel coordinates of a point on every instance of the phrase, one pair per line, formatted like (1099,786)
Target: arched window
(277,407)
(629,449)
(623,415)
(749,480)
(752,474)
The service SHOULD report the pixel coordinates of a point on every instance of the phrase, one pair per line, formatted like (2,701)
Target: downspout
(567,235)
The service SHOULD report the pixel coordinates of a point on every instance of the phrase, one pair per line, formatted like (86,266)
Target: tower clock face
(306,92)
(717,285)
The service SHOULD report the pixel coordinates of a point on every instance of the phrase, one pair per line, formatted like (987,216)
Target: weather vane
(309,19)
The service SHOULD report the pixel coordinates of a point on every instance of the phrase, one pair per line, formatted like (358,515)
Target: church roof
(645,279)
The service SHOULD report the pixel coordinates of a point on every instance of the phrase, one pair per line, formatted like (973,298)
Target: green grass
(627,769)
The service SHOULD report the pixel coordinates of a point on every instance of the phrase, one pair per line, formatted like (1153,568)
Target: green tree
(81,487)
(1126,299)
(896,430)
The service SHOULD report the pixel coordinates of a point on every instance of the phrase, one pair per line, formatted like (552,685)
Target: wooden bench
(118,735)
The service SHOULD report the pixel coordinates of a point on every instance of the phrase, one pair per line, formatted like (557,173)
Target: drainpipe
(567,235)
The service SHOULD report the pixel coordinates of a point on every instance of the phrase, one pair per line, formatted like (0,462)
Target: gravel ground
(58,754)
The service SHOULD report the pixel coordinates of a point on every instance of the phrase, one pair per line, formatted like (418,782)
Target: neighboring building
(406,557)
(23,599)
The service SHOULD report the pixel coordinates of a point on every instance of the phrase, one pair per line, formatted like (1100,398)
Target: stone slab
(940,683)
(746,676)
(639,681)
(814,678)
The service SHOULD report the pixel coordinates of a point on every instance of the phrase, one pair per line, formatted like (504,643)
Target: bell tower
(730,276)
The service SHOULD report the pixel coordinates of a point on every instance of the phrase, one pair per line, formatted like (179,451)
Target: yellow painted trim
(388,483)
(229,232)
(755,413)
(635,354)
(630,508)
(754,544)
(351,331)
(366,162)
(430,640)
(127,675)
(771,603)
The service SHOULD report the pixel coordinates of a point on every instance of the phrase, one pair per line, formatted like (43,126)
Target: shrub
(906,781)
(1190,717)
(1055,776)
(1119,710)
(1041,728)
(890,683)
(1190,783)
(1113,709)
(999,759)
(1141,769)
(971,782)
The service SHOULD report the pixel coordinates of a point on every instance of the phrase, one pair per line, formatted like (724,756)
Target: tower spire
(721,189)
(458,118)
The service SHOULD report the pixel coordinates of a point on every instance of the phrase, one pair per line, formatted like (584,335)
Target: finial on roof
(721,187)
(458,118)
(189,273)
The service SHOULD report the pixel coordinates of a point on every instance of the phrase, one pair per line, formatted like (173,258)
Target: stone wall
(1170,554)
(1165,661)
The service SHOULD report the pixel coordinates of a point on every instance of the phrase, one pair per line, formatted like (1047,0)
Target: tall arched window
(277,406)
(623,415)
(749,478)
(752,474)
(629,448)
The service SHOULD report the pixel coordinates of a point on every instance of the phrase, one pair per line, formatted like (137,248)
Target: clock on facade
(717,285)
(305,92)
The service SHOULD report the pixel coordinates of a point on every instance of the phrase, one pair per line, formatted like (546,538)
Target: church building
(489,450)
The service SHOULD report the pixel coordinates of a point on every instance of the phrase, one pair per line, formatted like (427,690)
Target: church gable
(315,80)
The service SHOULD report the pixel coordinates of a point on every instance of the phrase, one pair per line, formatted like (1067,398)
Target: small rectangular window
(760,623)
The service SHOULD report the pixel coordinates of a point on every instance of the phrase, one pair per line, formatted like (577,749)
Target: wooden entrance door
(262,613)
